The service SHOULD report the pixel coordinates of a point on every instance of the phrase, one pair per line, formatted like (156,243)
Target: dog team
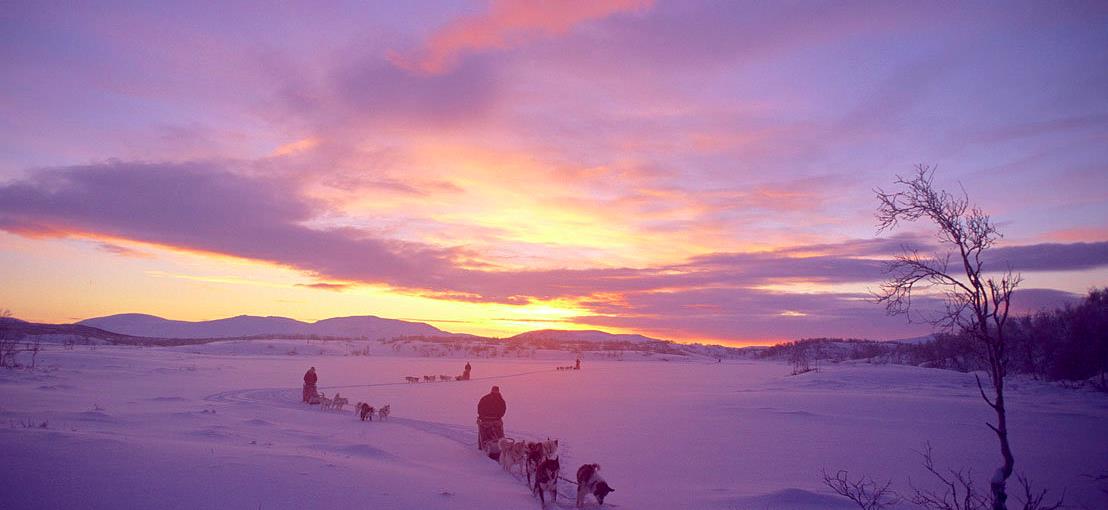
(535,459)
(331,403)
(575,366)
(362,410)
(431,378)
(538,459)
(443,378)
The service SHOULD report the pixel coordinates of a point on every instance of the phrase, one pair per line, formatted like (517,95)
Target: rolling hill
(247,326)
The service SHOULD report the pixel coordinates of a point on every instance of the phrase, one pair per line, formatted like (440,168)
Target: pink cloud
(213,209)
(508,23)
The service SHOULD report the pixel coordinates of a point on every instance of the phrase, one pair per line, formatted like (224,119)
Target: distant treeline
(489,346)
(1064,344)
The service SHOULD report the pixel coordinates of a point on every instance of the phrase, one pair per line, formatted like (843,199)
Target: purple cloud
(205,207)
(366,92)
(1051,256)
(766,315)
(121,250)
(208,207)
(753,314)
(335,287)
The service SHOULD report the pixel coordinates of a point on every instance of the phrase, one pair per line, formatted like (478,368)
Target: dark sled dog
(589,481)
(546,479)
(365,411)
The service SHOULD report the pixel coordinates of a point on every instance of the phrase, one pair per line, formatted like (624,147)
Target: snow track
(464,435)
(284,397)
(289,398)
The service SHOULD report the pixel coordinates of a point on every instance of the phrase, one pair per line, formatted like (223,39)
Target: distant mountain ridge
(368,326)
(23,328)
(143,329)
(589,335)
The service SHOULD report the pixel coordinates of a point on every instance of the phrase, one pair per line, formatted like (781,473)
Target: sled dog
(589,481)
(365,411)
(546,479)
(513,453)
(338,402)
(534,458)
(549,447)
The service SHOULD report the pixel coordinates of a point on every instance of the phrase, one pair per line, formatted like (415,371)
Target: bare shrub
(864,492)
(9,341)
(34,348)
(800,358)
(1034,500)
(958,491)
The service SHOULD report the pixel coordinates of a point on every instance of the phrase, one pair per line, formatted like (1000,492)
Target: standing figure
(490,418)
(577,366)
(465,373)
(310,379)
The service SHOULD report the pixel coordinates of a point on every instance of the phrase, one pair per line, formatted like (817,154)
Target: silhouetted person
(310,379)
(465,373)
(490,418)
(577,366)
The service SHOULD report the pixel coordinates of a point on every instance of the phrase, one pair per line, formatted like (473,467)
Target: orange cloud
(508,23)
(304,144)
(1077,234)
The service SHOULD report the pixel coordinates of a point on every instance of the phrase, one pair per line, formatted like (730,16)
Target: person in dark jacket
(310,379)
(490,418)
(492,405)
(465,373)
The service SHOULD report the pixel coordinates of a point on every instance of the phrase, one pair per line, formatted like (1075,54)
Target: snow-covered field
(222,426)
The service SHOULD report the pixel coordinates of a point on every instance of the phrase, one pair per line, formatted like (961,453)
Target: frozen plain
(221,426)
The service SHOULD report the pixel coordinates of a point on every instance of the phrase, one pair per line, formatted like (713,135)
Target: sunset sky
(696,171)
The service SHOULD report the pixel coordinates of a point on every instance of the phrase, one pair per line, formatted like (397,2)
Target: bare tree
(864,492)
(9,341)
(798,356)
(34,348)
(975,302)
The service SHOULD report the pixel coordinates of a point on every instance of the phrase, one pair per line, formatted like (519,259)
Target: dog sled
(311,395)
(489,433)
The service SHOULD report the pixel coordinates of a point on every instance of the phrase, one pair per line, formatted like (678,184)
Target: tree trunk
(1000,478)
